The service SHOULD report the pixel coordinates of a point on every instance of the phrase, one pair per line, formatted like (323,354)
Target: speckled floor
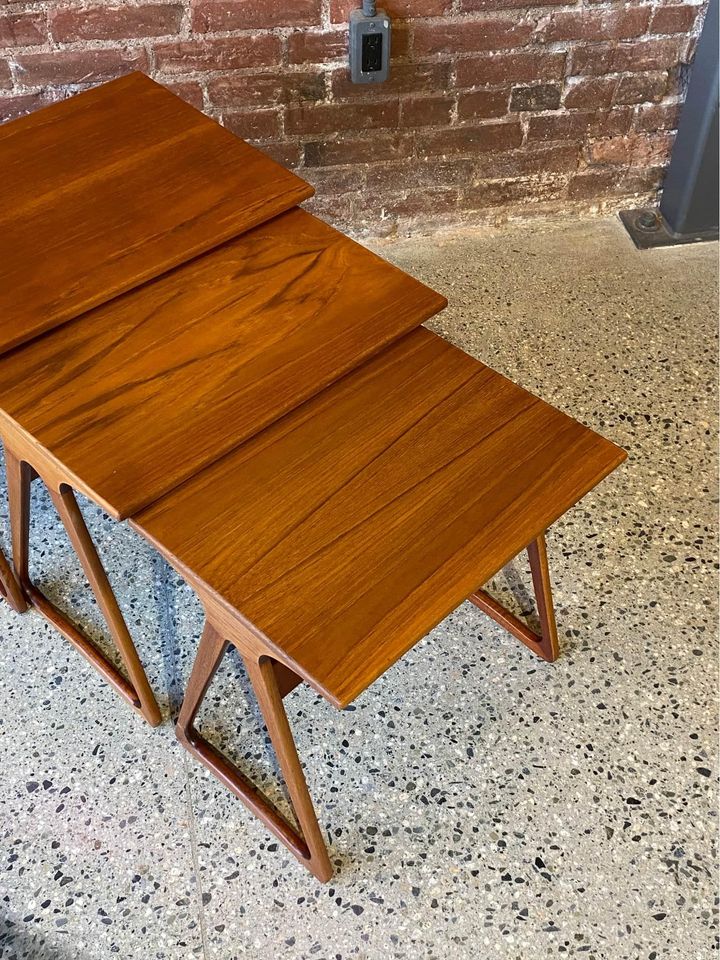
(479,803)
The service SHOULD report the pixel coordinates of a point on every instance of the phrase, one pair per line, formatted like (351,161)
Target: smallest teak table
(326,546)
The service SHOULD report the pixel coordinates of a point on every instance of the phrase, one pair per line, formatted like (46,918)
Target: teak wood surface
(344,532)
(139,394)
(112,187)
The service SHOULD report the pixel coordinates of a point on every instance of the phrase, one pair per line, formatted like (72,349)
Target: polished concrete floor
(479,803)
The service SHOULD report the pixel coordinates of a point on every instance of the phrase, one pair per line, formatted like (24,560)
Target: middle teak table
(139,394)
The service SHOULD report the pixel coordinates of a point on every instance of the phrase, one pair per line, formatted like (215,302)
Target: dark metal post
(689,204)
(689,201)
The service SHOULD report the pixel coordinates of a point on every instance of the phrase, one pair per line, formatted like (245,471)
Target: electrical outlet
(370,32)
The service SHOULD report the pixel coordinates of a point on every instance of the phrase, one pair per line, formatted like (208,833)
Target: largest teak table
(108,189)
(331,478)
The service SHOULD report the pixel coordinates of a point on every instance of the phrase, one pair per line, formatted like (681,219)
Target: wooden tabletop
(347,530)
(139,394)
(112,187)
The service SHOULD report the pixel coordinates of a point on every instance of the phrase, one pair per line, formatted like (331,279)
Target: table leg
(307,845)
(544,644)
(9,587)
(137,690)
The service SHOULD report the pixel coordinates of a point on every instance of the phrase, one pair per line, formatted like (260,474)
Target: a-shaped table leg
(10,588)
(137,691)
(544,644)
(266,677)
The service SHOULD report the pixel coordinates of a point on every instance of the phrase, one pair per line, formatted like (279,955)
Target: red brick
(265,89)
(317,46)
(12,107)
(409,204)
(570,125)
(510,68)
(577,124)
(588,184)
(598,59)
(613,181)
(258,125)
(534,158)
(189,56)
(450,173)
(647,55)
(412,78)
(643,181)
(470,6)
(472,35)
(310,119)
(658,116)
(611,123)
(617,24)
(467,141)
(426,111)
(78,66)
(636,150)
(23,29)
(537,97)
(400,40)
(338,180)
(387,146)
(217,15)
(188,90)
(287,153)
(483,104)
(498,193)
(674,19)
(590,93)
(115,22)
(595,59)
(340,9)
(641,88)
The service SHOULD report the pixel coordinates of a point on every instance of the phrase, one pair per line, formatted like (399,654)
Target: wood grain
(344,532)
(113,187)
(139,394)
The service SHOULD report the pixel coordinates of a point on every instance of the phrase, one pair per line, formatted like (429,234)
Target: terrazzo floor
(479,803)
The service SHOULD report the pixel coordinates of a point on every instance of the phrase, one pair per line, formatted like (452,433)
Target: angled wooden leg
(137,690)
(537,552)
(544,644)
(307,845)
(10,588)
(19,503)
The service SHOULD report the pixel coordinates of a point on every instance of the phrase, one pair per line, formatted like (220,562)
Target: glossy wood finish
(344,532)
(307,844)
(545,643)
(140,394)
(135,689)
(112,187)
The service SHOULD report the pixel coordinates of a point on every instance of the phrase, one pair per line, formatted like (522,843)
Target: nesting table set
(255,394)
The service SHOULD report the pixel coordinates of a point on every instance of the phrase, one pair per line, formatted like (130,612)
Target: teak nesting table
(255,393)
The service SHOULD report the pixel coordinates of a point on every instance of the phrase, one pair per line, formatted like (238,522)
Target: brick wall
(492,106)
